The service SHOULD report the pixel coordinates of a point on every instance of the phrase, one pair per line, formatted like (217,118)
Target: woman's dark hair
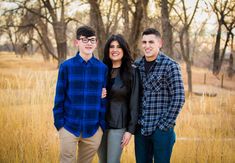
(125,69)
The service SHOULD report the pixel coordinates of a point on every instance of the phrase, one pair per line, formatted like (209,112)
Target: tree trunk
(44,52)
(231,68)
(136,28)
(233,56)
(189,61)
(62,50)
(125,15)
(185,42)
(30,43)
(97,23)
(221,59)
(59,27)
(216,59)
(185,50)
(189,74)
(60,36)
(166,29)
(47,44)
(145,14)
(14,48)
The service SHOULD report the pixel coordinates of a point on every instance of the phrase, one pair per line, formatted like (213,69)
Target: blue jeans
(110,148)
(158,145)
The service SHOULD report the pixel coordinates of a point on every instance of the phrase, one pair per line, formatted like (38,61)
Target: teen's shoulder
(68,61)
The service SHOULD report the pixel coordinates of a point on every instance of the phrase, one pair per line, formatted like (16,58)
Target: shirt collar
(81,60)
(158,59)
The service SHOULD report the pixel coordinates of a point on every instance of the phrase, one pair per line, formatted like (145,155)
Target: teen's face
(115,52)
(151,45)
(86,45)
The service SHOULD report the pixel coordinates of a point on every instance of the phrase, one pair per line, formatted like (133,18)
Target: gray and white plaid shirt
(163,94)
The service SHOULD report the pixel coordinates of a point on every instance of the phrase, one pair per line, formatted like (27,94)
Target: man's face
(151,45)
(86,44)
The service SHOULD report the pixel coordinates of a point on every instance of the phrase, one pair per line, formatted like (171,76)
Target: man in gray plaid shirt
(161,101)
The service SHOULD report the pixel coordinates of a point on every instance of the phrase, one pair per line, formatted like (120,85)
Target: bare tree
(231,68)
(15,37)
(224,11)
(11,32)
(184,41)
(25,22)
(137,25)
(56,18)
(126,9)
(133,13)
(26,29)
(167,33)
(32,21)
(59,23)
(96,21)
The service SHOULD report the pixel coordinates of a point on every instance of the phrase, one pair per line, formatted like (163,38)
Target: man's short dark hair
(85,31)
(150,31)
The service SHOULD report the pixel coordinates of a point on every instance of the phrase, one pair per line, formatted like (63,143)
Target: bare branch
(68,20)
(180,17)
(194,11)
(32,10)
(171,5)
(46,46)
(48,5)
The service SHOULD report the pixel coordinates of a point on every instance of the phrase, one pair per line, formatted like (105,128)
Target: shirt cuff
(103,125)
(58,125)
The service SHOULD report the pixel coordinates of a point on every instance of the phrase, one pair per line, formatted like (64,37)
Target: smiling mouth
(147,51)
(115,54)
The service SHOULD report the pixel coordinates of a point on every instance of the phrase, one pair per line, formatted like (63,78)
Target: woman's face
(115,52)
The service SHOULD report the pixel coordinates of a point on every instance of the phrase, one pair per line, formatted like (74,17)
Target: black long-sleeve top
(123,102)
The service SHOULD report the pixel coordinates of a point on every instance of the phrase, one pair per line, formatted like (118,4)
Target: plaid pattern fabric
(163,94)
(78,106)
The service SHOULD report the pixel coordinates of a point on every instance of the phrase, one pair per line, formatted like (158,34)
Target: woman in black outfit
(123,99)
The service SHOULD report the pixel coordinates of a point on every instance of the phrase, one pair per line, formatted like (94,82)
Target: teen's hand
(126,139)
(104,93)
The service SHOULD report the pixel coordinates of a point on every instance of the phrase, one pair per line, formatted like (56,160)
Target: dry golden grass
(205,128)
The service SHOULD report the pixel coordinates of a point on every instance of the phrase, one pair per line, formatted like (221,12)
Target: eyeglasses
(86,40)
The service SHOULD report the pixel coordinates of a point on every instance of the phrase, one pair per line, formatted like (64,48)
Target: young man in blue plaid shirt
(161,101)
(79,110)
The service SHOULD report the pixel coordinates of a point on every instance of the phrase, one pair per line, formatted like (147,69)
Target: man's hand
(104,93)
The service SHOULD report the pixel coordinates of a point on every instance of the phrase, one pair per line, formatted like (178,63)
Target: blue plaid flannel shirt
(162,94)
(78,106)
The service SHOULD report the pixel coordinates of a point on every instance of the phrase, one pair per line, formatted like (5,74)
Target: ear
(96,44)
(160,43)
(76,42)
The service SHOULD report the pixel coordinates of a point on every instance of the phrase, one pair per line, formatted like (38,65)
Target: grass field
(205,128)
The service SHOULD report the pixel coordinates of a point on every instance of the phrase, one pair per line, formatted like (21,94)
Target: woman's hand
(126,139)
(104,93)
